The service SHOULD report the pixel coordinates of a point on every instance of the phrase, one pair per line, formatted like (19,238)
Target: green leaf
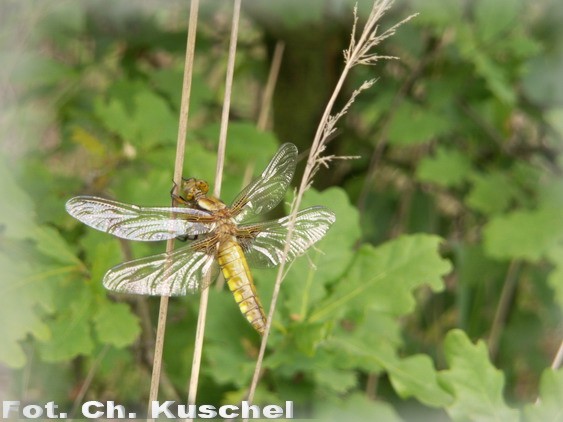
(555,279)
(29,288)
(102,252)
(549,192)
(309,276)
(35,71)
(155,123)
(50,243)
(229,349)
(372,347)
(524,234)
(18,309)
(414,124)
(495,75)
(491,193)
(115,324)
(356,407)
(448,168)
(291,14)
(17,213)
(383,278)
(335,380)
(437,14)
(88,141)
(114,117)
(475,268)
(167,81)
(308,336)
(71,336)
(555,118)
(476,384)
(71,328)
(548,408)
(495,18)
(200,163)
(415,376)
(147,121)
(244,137)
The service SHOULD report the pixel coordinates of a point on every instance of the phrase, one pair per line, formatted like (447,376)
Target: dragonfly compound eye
(202,186)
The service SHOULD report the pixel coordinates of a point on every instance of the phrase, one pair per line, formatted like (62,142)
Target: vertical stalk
(503,307)
(196,362)
(266,102)
(357,53)
(302,187)
(178,167)
(265,105)
(558,358)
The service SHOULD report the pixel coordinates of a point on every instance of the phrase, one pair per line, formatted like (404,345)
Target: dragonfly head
(194,189)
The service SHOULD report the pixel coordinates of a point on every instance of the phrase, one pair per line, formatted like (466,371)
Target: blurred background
(459,138)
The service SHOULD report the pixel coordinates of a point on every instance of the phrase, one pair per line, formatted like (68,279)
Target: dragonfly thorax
(194,195)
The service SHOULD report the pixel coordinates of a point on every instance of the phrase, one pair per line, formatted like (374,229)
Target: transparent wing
(264,243)
(168,274)
(137,223)
(266,192)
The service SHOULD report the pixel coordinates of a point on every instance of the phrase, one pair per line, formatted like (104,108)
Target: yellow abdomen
(237,274)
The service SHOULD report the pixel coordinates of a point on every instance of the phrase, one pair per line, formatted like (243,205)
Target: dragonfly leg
(186,237)
(180,200)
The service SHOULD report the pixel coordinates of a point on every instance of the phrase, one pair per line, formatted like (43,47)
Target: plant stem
(227,100)
(357,53)
(178,167)
(558,358)
(503,307)
(554,365)
(88,380)
(265,106)
(266,102)
(296,204)
(198,347)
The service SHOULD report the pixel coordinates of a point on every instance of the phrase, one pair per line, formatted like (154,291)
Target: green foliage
(548,406)
(356,408)
(476,385)
(491,193)
(143,117)
(17,310)
(446,168)
(524,234)
(461,200)
(384,277)
(414,124)
(309,278)
(115,325)
(555,279)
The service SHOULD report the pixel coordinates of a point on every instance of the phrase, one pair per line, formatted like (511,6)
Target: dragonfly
(228,237)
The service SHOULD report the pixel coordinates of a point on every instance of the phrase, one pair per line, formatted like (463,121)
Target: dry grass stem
(266,102)
(556,364)
(358,52)
(227,100)
(178,167)
(88,381)
(503,307)
(198,347)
